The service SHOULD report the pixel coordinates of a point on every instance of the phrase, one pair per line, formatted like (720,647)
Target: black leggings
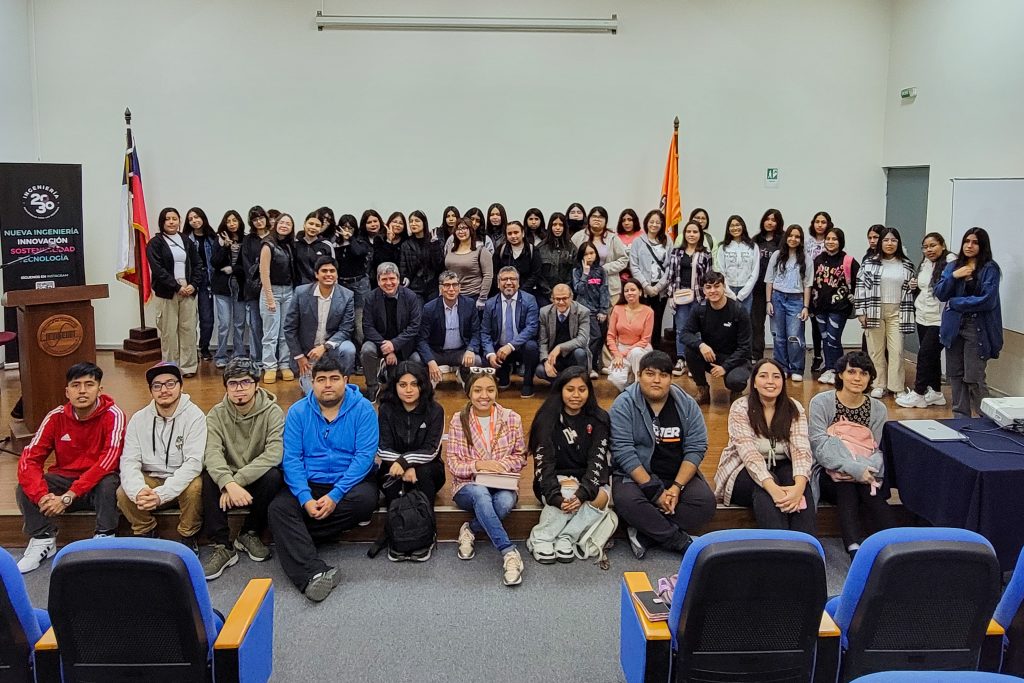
(749,494)
(850,497)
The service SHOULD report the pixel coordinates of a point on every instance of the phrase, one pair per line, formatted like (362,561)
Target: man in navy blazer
(320,321)
(391,326)
(508,339)
(450,331)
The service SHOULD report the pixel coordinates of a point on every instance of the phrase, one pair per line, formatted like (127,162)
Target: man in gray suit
(564,334)
(320,321)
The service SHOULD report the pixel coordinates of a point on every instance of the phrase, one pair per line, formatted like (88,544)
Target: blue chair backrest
(917,599)
(1011,617)
(19,629)
(936,677)
(747,606)
(131,609)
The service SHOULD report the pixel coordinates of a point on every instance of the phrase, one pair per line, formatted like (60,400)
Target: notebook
(653,607)
(498,480)
(933,430)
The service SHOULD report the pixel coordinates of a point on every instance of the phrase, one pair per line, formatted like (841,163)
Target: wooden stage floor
(126,383)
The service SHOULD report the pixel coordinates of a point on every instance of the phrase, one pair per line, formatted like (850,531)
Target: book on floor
(498,480)
(653,607)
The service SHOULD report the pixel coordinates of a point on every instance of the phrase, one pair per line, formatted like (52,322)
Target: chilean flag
(134,226)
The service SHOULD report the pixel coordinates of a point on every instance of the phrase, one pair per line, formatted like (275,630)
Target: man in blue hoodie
(659,439)
(330,440)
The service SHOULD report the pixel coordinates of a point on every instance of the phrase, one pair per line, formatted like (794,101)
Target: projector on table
(1008,412)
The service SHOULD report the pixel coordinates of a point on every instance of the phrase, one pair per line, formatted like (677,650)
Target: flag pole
(135,238)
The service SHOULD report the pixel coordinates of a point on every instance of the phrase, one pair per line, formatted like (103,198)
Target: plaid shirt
(508,446)
(868,294)
(741,451)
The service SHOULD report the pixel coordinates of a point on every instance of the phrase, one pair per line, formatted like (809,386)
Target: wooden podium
(56,329)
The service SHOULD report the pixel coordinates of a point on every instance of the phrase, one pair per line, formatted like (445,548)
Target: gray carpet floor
(447,619)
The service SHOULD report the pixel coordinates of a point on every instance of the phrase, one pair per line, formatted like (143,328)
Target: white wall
(238,102)
(17,131)
(967,61)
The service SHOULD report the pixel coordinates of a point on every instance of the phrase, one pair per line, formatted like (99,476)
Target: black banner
(41,218)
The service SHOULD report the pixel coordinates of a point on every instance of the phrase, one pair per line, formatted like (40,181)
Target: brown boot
(703,396)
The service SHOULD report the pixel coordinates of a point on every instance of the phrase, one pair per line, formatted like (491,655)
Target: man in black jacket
(175,275)
(450,331)
(717,340)
(391,326)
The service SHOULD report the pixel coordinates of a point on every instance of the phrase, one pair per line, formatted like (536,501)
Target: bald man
(564,334)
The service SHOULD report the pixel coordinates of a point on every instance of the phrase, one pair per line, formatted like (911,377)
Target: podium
(56,329)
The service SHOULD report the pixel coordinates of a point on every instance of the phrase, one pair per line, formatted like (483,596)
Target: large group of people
(323,466)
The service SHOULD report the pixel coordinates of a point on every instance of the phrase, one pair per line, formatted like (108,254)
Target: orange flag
(670,204)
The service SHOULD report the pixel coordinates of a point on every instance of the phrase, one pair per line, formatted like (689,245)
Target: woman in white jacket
(649,256)
(737,258)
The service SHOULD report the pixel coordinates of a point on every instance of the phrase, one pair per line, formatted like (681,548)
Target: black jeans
(695,508)
(735,380)
(215,520)
(204,299)
(929,360)
(529,355)
(758,314)
(296,533)
(850,497)
(749,494)
(658,303)
(598,333)
(102,498)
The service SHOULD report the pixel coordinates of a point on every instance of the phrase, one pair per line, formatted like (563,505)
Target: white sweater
(928,309)
(739,263)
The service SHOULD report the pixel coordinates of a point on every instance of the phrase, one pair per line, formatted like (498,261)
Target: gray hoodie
(831,453)
(241,448)
(166,448)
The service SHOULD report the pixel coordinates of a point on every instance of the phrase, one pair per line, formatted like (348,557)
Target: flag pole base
(141,346)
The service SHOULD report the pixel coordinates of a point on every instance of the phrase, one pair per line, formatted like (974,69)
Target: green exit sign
(908,93)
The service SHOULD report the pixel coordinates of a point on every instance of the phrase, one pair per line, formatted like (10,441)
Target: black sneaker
(526,391)
(191,542)
(817,364)
(636,544)
(321,585)
(421,555)
(395,556)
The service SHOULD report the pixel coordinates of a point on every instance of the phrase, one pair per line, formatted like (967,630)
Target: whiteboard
(996,204)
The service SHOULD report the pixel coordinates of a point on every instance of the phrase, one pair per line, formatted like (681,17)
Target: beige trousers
(177,321)
(887,337)
(190,502)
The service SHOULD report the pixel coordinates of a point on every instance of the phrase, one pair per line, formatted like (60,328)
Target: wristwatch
(66,499)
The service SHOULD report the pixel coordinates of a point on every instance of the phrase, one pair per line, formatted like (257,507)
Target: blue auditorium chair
(131,609)
(1010,617)
(916,599)
(21,626)
(747,607)
(936,677)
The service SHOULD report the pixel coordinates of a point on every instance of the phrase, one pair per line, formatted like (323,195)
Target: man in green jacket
(242,465)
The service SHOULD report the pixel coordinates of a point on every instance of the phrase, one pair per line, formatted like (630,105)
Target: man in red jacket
(86,435)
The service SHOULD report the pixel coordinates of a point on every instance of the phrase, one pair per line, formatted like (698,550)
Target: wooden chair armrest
(828,628)
(653,630)
(242,615)
(48,641)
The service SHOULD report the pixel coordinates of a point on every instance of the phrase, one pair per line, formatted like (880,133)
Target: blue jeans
(275,347)
(204,298)
(746,303)
(230,323)
(489,507)
(788,331)
(679,319)
(830,326)
(255,320)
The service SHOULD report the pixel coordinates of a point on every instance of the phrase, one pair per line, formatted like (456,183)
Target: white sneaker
(797,377)
(679,368)
(911,399)
(827,377)
(934,398)
(878,392)
(38,549)
(512,568)
(593,374)
(466,540)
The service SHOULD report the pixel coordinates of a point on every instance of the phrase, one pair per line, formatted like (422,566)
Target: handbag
(594,542)
(682,297)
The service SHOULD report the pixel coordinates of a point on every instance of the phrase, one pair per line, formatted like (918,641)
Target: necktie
(509,332)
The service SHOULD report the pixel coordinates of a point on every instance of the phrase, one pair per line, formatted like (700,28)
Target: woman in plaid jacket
(884,304)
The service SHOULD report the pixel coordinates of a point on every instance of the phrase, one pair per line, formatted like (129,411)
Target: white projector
(1008,412)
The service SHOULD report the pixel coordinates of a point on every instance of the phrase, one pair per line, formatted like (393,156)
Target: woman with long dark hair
(649,257)
(820,225)
(576,219)
(736,257)
(497,219)
(352,252)
(420,258)
(557,255)
(927,389)
(226,286)
(590,287)
(767,241)
(277,280)
(767,463)
(788,290)
(688,263)
(175,274)
(835,278)
(972,321)
(446,228)
(611,251)
(885,308)
(629,335)
(629,227)
(411,425)
(536,231)
(514,251)
(471,261)
(569,441)
(700,217)
(198,229)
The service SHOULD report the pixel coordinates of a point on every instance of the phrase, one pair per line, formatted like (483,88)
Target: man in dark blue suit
(508,332)
(450,331)
(391,326)
(320,321)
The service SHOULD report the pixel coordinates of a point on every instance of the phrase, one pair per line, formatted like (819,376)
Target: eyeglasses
(160,386)
(449,285)
(235,384)
(481,371)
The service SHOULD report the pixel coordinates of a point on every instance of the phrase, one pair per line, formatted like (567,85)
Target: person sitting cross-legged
(244,442)
(717,340)
(564,334)
(391,327)
(330,440)
(508,331)
(450,331)
(163,457)
(658,442)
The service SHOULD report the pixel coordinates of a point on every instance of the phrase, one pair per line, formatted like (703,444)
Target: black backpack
(410,524)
